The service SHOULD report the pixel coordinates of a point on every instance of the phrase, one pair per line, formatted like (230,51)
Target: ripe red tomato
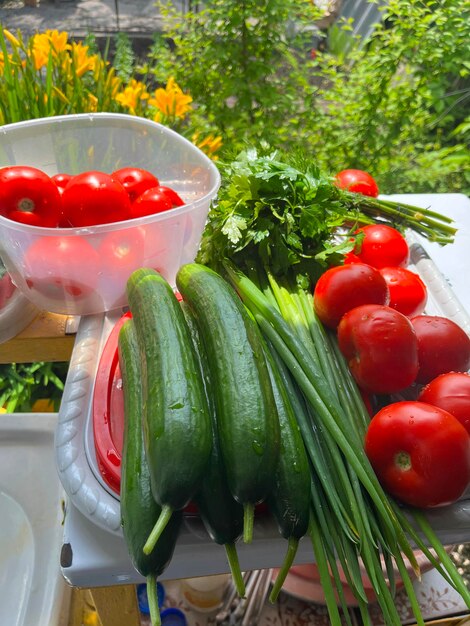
(357,181)
(152,201)
(92,198)
(121,252)
(408,293)
(29,196)
(344,287)
(62,267)
(442,347)
(62,180)
(175,198)
(350,257)
(382,246)
(135,180)
(420,453)
(450,392)
(380,346)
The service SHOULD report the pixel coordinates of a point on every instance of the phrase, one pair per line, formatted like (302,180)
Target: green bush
(247,65)
(394,105)
(397,106)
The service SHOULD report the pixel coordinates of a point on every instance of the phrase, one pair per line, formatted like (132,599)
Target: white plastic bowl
(83,271)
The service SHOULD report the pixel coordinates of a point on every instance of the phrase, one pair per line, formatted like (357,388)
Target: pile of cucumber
(207,419)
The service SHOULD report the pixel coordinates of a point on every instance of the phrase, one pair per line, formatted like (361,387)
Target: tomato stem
(403,461)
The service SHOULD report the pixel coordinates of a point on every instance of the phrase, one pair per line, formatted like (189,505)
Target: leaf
(233,227)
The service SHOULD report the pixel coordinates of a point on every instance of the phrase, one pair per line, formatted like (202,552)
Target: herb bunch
(280,210)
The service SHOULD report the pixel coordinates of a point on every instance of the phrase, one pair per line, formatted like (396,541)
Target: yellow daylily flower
(11,38)
(132,95)
(92,102)
(39,51)
(210,144)
(58,41)
(82,60)
(171,101)
(113,83)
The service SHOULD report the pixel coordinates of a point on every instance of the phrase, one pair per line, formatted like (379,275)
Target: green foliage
(396,106)
(21,385)
(393,105)
(124,57)
(245,64)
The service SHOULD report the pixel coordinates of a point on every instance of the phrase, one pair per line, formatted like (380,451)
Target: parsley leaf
(280,211)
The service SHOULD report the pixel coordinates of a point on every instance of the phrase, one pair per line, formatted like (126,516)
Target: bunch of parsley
(281,212)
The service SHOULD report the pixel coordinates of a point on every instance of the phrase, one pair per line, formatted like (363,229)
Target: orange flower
(82,61)
(132,95)
(210,144)
(40,48)
(92,102)
(171,101)
(58,41)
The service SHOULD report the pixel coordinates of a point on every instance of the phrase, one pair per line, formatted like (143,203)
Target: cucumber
(247,422)
(289,501)
(139,511)
(221,514)
(177,423)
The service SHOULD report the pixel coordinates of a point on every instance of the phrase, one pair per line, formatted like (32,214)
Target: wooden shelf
(49,337)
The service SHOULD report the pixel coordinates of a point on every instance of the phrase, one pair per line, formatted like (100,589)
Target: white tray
(196,554)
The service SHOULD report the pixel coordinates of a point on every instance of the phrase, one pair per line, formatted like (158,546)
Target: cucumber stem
(162,521)
(153,600)
(234,564)
(292,545)
(248,521)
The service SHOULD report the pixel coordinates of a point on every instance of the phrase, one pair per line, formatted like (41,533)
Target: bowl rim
(112,226)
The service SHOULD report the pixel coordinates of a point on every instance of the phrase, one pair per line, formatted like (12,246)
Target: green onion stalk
(353,521)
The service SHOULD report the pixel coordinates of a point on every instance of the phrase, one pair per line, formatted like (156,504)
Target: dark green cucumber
(289,501)
(139,511)
(221,514)
(177,423)
(248,426)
